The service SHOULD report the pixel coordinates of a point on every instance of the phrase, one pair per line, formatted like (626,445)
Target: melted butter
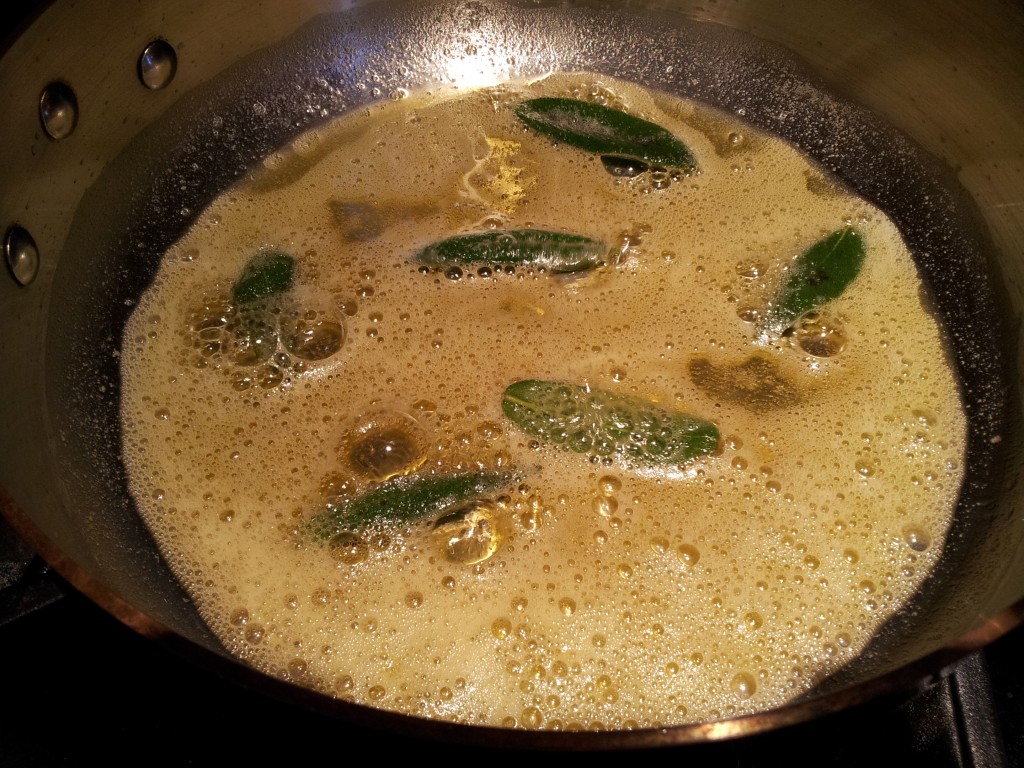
(590,596)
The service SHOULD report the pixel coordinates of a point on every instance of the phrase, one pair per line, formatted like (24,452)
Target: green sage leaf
(604,131)
(819,275)
(605,424)
(405,499)
(266,274)
(553,251)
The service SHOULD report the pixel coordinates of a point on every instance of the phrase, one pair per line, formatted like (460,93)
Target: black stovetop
(77,684)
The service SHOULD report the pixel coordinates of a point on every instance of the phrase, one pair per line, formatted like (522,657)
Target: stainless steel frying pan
(123,120)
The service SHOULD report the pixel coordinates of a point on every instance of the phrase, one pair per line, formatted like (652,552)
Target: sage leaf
(405,499)
(756,384)
(819,275)
(604,131)
(266,274)
(554,251)
(607,425)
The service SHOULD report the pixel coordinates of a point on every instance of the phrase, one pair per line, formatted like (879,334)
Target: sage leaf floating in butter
(605,131)
(554,251)
(266,274)
(607,425)
(405,499)
(819,275)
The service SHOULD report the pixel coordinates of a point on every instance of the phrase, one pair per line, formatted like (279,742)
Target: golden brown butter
(590,595)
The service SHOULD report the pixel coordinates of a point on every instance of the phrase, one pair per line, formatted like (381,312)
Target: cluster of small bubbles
(924,417)
(662,178)
(532,512)
(916,538)
(311,334)
(334,485)
(598,94)
(688,555)
(819,334)
(297,669)
(743,685)
(604,506)
(470,533)
(501,628)
(749,271)
(865,468)
(264,341)
(345,685)
(748,314)
(349,548)
(531,717)
(386,446)
(630,241)
(752,621)
(660,545)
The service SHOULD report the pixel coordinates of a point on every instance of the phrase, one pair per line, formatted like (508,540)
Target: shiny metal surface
(21,254)
(58,110)
(948,75)
(158,64)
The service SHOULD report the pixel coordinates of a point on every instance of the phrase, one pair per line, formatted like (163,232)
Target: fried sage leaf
(266,274)
(605,424)
(553,251)
(604,131)
(819,275)
(755,384)
(404,499)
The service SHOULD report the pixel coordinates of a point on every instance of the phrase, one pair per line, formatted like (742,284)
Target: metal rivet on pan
(21,254)
(58,110)
(157,65)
